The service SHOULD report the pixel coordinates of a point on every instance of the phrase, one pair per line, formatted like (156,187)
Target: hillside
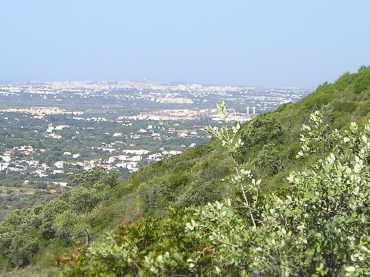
(162,225)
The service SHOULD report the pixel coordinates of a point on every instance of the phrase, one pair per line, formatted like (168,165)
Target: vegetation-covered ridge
(287,193)
(321,228)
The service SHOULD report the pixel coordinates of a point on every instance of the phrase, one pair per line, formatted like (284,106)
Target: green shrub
(320,229)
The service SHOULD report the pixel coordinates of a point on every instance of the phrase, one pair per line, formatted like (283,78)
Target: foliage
(298,184)
(97,175)
(66,219)
(70,225)
(320,229)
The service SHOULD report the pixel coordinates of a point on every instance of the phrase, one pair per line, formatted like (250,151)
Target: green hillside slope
(156,215)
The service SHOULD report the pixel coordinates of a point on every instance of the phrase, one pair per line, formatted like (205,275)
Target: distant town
(50,131)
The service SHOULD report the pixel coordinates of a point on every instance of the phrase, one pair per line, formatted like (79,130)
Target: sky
(271,43)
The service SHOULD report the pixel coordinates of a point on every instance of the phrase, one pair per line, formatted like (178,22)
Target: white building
(137,152)
(59,164)
(61,127)
(4,166)
(6,158)
(112,160)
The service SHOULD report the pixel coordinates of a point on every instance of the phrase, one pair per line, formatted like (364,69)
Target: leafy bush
(66,219)
(362,81)
(320,229)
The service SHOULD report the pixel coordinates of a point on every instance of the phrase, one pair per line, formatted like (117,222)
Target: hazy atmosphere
(241,42)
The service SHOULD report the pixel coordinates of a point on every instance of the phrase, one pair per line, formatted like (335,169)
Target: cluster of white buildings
(130,159)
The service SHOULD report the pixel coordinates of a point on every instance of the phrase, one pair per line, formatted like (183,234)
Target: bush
(320,229)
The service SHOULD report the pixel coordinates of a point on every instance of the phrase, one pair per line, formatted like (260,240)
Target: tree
(97,175)
(70,226)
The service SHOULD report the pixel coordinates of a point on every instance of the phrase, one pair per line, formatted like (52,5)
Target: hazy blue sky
(259,42)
